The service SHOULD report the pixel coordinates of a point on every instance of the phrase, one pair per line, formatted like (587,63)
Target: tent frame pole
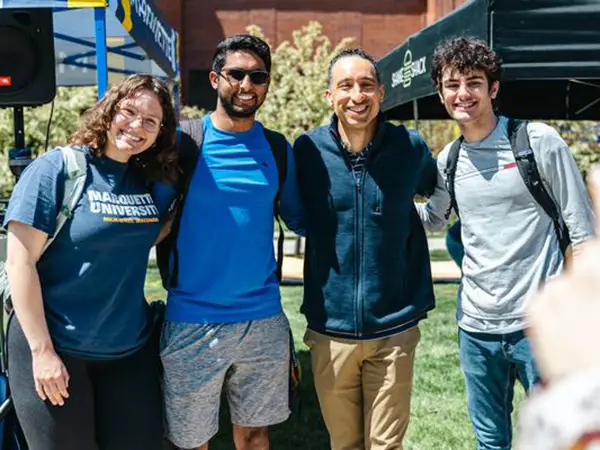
(19,156)
(19,127)
(592,102)
(101,50)
(415,105)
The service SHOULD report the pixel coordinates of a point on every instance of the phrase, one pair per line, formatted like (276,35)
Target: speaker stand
(19,157)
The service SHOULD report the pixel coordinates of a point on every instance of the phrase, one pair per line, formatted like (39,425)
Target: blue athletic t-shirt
(92,275)
(225,243)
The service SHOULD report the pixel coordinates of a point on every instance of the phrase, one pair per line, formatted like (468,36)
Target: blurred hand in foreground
(565,316)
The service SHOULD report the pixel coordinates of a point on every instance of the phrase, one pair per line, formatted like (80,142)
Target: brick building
(376,25)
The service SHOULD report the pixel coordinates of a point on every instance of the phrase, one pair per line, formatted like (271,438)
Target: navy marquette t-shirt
(92,275)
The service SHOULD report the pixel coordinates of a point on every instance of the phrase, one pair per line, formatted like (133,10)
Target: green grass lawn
(436,234)
(439,411)
(439,255)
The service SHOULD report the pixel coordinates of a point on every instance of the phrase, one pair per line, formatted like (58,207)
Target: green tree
(69,103)
(583,138)
(437,133)
(295,104)
(296,101)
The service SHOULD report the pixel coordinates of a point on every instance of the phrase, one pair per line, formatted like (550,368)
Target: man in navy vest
(367,273)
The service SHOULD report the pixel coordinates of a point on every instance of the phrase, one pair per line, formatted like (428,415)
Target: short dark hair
(465,54)
(243,43)
(346,53)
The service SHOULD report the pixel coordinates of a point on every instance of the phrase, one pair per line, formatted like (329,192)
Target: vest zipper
(358,181)
(358,225)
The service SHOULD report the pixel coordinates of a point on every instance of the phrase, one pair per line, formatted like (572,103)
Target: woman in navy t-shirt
(83,369)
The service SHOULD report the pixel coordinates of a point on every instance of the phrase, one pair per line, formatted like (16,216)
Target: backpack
(190,136)
(525,160)
(75,174)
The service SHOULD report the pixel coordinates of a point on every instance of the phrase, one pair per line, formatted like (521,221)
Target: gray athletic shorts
(249,360)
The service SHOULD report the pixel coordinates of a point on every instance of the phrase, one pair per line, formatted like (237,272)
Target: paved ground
(442,271)
(436,243)
(292,246)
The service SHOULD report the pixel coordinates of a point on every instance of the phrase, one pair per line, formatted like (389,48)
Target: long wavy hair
(157,163)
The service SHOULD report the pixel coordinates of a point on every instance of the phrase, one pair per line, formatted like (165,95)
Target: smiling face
(467,97)
(135,125)
(354,93)
(240,98)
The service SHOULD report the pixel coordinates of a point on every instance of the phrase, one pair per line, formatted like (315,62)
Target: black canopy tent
(550,50)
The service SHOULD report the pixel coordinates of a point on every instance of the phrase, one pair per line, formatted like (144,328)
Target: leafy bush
(583,138)
(69,103)
(296,103)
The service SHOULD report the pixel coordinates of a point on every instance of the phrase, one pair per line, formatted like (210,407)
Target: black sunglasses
(257,76)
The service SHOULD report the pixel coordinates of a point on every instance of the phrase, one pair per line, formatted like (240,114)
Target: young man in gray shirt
(511,246)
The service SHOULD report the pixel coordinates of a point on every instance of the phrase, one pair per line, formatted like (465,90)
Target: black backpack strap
(279,145)
(525,160)
(190,135)
(450,172)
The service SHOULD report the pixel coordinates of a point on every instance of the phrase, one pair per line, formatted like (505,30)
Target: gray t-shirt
(510,243)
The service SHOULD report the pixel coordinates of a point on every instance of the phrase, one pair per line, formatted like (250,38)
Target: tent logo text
(409,70)
(167,43)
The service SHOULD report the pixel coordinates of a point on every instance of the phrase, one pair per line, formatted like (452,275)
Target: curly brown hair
(159,162)
(465,54)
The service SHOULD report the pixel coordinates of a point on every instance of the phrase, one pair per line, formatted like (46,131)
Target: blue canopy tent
(98,41)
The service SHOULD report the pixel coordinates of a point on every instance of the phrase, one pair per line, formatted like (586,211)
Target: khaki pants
(364,388)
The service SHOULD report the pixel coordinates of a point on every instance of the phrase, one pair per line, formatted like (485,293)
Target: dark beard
(235,111)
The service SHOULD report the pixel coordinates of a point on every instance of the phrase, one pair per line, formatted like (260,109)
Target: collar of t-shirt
(112,170)
(357,159)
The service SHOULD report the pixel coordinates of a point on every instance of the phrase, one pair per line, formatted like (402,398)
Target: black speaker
(27,68)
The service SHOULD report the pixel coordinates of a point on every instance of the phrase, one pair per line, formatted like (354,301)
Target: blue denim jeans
(491,363)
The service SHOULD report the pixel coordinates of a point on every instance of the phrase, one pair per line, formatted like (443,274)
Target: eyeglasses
(235,75)
(150,124)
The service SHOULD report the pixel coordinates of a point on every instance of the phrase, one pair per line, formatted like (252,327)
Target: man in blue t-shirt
(225,327)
